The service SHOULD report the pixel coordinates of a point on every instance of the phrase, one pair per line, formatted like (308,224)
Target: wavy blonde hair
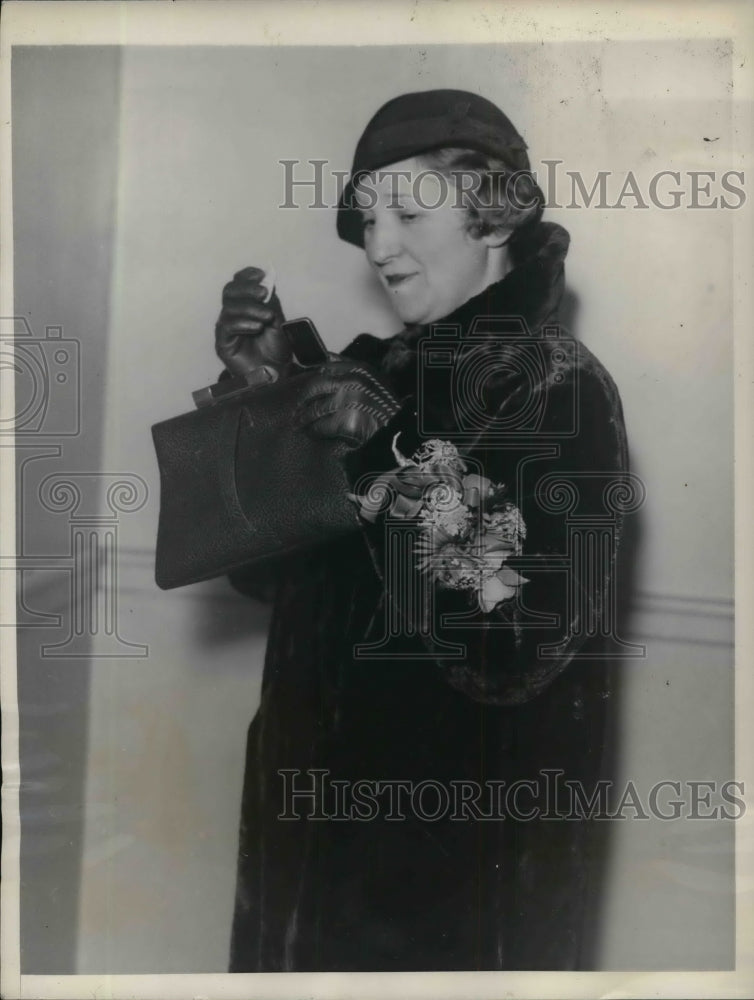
(498,198)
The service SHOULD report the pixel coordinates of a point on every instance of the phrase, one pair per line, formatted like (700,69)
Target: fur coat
(518,698)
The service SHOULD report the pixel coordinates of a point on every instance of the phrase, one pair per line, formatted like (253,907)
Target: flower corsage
(468,527)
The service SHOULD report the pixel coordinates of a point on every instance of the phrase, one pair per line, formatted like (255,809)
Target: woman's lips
(396,280)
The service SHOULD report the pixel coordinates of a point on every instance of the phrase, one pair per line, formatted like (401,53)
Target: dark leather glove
(248,332)
(346,400)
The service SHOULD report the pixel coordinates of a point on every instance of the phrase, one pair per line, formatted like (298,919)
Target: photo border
(425,22)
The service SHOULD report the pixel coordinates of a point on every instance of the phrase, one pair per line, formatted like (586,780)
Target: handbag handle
(227,450)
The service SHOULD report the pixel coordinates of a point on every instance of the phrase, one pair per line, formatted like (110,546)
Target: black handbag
(240,484)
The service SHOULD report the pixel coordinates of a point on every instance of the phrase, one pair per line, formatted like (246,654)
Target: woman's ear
(497,237)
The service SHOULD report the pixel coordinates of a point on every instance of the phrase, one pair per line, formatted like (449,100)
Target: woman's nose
(384,243)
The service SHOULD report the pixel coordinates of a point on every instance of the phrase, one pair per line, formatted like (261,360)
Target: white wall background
(201,133)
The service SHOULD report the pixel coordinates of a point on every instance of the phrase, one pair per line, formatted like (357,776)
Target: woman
(361,689)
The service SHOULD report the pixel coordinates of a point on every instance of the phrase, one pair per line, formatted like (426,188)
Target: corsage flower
(468,526)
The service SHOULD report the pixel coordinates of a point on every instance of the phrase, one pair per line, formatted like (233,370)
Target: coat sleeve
(559,478)
(259,581)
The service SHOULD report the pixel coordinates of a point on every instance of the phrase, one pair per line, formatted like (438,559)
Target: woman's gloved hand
(248,333)
(346,400)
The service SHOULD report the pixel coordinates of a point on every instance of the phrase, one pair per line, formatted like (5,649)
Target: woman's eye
(367,223)
(408,216)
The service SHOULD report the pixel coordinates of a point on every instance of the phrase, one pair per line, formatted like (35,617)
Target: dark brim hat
(417,123)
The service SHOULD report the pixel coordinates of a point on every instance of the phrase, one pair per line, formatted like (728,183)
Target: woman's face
(416,239)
